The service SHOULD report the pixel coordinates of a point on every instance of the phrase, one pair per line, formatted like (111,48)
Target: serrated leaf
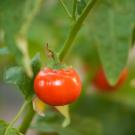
(114,60)
(17,76)
(11,131)
(80,6)
(111,27)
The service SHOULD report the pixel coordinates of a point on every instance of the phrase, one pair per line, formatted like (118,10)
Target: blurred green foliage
(3,126)
(17,76)
(104,39)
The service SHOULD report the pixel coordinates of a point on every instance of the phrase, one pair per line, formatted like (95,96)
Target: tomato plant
(42,46)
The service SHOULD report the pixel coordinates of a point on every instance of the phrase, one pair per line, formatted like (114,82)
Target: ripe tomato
(57,87)
(102,84)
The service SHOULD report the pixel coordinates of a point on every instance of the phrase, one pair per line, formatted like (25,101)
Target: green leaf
(80,6)
(12,131)
(113,59)
(36,63)
(17,76)
(51,123)
(111,28)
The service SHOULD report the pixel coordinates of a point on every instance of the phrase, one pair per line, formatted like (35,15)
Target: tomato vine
(61,54)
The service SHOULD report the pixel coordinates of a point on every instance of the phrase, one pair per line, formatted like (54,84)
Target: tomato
(102,84)
(57,87)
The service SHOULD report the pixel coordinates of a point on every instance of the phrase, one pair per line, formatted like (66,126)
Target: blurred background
(96,112)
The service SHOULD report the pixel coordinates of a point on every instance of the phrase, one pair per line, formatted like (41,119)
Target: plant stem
(74,10)
(65,8)
(76,27)
(27,119)
(16,117)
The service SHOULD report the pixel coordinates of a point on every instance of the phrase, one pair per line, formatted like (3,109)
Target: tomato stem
(50,53)
(27,119)
(16,117)
(76,27)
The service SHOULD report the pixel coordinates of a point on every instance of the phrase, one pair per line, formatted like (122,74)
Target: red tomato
(57,87)
(102,84)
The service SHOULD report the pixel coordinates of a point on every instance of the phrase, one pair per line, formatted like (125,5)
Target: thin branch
(16,117)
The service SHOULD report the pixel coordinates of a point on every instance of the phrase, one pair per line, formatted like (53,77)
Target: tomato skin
(57,87)
(102,84)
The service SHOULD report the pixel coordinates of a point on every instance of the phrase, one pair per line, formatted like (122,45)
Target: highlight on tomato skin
(100,82)
(57,87)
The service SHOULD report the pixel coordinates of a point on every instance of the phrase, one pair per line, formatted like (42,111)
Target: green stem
(74,10)
(27,119)
(16,117)
(65,8)
(76,27)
